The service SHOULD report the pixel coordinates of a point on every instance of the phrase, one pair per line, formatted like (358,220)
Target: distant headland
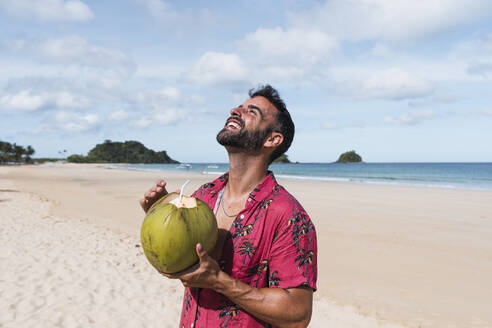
(132,152)
(349,157)
(282,159)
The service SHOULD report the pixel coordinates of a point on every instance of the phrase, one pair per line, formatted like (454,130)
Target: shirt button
(242,216)
(249,199)
(192,325)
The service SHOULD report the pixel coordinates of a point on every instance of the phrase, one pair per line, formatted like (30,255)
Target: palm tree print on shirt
(227,311)
(247,249)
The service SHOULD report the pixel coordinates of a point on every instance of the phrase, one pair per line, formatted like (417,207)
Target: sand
(388,256)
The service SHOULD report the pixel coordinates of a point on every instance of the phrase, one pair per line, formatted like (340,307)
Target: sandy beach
(388,256)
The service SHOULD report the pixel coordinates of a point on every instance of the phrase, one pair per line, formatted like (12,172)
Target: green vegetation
(122,152)
(282,159)
(13,153)
(43,160)
(349,157)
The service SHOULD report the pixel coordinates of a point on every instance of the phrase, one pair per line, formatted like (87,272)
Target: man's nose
(236,111)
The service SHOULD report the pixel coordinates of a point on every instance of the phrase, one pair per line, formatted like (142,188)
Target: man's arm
(280,307)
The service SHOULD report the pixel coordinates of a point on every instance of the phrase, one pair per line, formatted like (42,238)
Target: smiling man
(263,270)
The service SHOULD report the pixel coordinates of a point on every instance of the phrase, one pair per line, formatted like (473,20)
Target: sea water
(476,176)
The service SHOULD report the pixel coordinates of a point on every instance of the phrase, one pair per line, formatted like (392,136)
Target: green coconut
(172,228)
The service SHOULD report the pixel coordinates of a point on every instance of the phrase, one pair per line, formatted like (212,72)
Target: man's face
(249,125)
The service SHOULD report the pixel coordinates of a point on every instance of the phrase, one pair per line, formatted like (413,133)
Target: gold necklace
(223,208)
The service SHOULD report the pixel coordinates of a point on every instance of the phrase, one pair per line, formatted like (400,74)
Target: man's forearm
(277,306)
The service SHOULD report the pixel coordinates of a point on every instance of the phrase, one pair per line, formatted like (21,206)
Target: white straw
(182,188)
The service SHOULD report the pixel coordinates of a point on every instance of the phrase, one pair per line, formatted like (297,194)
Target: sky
(394,80)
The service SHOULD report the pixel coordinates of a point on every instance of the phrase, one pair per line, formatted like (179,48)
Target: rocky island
(132,152)
(349,157)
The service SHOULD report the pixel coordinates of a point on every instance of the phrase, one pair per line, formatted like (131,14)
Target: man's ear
(274,140)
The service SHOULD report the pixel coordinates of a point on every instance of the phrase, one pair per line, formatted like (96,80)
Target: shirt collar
(260,192)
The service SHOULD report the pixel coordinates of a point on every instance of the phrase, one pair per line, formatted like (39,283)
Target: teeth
(234,125)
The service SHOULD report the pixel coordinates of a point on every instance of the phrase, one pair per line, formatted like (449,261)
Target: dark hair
(283,124)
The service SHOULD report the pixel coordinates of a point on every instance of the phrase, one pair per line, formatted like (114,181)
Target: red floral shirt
(271,243)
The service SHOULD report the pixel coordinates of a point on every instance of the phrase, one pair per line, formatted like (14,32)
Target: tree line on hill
(349,157)
(122,152)
(13,153)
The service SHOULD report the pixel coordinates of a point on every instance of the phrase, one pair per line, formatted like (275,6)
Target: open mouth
(233,124)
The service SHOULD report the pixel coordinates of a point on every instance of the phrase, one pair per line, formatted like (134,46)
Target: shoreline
(412,256)
(381,181)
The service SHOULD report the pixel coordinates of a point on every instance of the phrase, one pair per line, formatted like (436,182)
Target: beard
(244,139)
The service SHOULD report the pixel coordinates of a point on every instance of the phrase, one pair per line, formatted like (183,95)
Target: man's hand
(154,194)
(204,274)
(281,307)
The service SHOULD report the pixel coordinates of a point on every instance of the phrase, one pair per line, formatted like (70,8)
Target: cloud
(48,10)
(217,68)
(396,84)
(75,50)
(171,93)
(118,115)
(76,123)
(189,21)
(143,122)
(476,54)
(390,20)
(381,50)
(73,53)
(290,45)
(483,69)
(411,118)
(160,10)
(163,107)
(27,100)
(335,126)
(278,54)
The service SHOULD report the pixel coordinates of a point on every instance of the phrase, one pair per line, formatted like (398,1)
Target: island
(132,152)
(349,157)
(282,159)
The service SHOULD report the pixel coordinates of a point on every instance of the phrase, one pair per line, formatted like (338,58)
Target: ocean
(475,176)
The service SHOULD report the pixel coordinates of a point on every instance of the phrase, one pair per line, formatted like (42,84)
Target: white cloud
(170,116)
(163,107)
(171,93)
(48,10)
(381,50)
(392,20)
(118,115)
(411,118)
(75,50)
(329,126)
(23,101)
(107,66)
(291,45)
(396,84)
(483,69)
(28,100)
(143,122)
(279,54)
(217,68)
(333,126)
(160,10)
(478,53)
(72,122)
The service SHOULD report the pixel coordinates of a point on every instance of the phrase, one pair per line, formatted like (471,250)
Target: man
(262,271)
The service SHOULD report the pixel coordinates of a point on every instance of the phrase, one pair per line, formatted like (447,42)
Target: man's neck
(245,173)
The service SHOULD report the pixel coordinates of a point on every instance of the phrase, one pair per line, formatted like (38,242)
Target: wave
(436,178)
